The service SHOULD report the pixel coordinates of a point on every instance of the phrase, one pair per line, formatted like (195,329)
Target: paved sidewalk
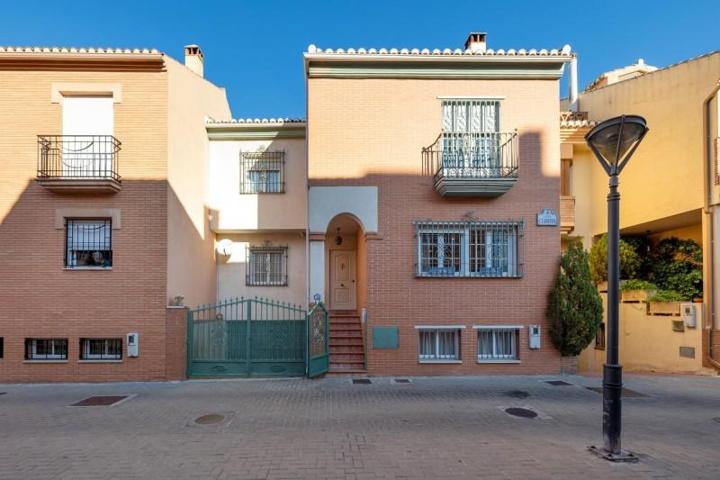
(432,428)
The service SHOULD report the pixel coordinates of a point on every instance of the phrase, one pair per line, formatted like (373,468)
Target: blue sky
(254,48)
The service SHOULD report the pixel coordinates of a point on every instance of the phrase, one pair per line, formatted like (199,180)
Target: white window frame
(436,330)
(511,268)
(105,356)
(264,278)
(495,357)
(34,356)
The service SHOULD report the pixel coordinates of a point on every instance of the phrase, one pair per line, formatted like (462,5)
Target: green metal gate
(247,337)
(318,341)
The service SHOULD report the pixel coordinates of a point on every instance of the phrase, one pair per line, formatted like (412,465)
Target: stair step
(345,334)
(345,367)
(346,342)
(345,328)
(356,349)
(347,358)
(342,372)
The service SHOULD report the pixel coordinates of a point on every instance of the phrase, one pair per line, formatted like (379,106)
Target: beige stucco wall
(235,212)
(648,343)
(665,176)
(191,262)
(587,192)
(231,269)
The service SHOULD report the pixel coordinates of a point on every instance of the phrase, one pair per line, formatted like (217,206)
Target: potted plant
(574,306)
(665,302)
(637,290)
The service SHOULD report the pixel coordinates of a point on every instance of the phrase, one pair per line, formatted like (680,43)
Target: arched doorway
(345,252)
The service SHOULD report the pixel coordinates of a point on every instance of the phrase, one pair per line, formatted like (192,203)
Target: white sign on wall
(547,218)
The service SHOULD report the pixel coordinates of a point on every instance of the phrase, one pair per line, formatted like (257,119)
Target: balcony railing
(78,162)
(472,164)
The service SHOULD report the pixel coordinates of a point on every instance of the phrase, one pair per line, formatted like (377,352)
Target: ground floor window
(100,349)
(438,344)
(2,347)
(600,337)
(46,349)
(469,249)
(497,343)
(267,266)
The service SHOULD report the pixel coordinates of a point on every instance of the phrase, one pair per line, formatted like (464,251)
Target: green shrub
(635,284)
(676,264)
(665,296)
(630,261)
(574,306)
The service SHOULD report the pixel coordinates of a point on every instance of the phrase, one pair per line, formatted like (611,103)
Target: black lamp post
(613,142)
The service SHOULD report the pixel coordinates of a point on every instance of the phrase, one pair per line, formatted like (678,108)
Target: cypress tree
(574,306)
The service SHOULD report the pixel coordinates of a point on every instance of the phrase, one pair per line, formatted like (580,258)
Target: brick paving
(432,428)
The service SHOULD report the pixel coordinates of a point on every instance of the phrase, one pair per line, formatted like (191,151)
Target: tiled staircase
(347,353)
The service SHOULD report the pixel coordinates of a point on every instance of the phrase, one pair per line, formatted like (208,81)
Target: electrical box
(534,335)
(133,344)
(689,313)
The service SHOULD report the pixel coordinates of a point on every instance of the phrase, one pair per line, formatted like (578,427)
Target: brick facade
(371,132)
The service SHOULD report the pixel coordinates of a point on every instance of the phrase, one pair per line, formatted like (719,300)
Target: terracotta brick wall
(38,297)
(176,343)
(370,132)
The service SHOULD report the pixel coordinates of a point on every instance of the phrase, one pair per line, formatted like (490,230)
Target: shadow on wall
(41,298)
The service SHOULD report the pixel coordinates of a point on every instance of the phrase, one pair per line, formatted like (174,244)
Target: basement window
(438,344)
(100,349)
(497,344)
(46,349)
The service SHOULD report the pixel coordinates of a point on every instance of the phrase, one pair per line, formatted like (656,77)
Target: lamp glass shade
(613,138)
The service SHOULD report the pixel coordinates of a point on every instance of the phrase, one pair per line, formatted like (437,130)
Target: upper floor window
(262,172)
(470,116)
(469,249)
(88,243)
(267,266)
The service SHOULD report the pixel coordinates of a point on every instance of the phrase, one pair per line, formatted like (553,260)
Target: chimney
(194,59)
(476,42)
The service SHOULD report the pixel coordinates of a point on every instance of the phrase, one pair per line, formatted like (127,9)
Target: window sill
(441,361)
(499,361)
(477,277)
(84,269)
(45,361)
(100,361)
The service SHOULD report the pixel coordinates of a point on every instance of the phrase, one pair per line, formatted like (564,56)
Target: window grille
(498,343)
(46,349)
(600,337)
(469,249)
(439,344)
(100,349)
(262,172)
(266,266)
(88,243)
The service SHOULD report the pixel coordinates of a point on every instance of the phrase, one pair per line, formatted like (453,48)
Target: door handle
(342,284)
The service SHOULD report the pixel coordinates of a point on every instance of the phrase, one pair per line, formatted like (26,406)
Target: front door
(342,280)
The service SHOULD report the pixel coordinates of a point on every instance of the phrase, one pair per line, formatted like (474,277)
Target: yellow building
(669,189)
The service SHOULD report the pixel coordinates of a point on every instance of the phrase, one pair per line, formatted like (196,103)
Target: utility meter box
(534,336)
(133,344)
(689,313)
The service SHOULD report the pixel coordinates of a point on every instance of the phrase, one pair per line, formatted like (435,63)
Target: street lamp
(613,142)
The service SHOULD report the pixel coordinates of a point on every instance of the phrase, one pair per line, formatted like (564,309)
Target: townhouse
(669,190)
(102,211)
(418,202)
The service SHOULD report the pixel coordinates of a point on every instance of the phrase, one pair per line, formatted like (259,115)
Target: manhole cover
(210,419)
(100,401)
(517,394)
(558,383)
(361,381)
(521,412)
(626,392)
(402,380)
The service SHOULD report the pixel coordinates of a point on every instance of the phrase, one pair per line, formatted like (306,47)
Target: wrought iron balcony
(472,164)
(84,163)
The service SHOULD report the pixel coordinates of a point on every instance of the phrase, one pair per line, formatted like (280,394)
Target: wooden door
(342,280)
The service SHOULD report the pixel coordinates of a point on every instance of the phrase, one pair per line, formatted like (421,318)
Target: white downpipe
(573,85)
